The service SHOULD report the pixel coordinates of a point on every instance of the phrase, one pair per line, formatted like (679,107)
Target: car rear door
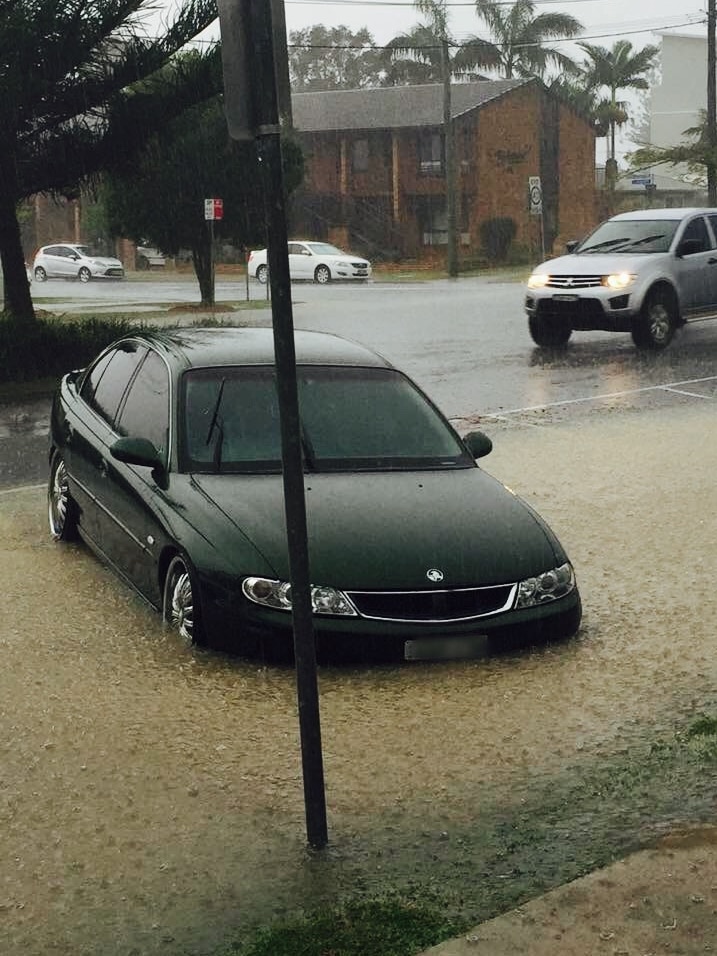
(299,261)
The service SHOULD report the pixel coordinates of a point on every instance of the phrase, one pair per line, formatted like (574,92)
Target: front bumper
(601,309)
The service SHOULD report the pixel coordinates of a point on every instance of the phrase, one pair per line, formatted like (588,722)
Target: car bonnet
(387,530)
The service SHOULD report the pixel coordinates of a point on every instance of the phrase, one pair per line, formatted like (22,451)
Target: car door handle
(711,261)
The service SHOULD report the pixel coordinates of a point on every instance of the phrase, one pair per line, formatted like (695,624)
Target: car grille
(359,265)
(461,604)
(574,282)
(114,271)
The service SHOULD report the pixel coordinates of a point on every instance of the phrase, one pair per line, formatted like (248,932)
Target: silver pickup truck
(645,272)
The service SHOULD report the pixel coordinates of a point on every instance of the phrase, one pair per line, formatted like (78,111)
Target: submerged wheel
(61,508)
(84,275)
(322,275)
(655,326)
(180,605)
(548,334)
(262,274)
(40,274)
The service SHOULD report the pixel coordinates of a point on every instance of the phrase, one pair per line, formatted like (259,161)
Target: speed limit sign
(535,195)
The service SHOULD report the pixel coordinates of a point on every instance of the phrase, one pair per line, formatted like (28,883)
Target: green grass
(384,927)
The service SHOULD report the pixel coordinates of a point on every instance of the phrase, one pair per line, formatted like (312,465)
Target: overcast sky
(604,20)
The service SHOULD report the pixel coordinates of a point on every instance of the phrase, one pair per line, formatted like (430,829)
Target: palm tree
(417,57)
(620,68)
(519,38)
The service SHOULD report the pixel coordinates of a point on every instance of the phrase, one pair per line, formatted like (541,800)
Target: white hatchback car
(69,260)
(646,272)
(314,261)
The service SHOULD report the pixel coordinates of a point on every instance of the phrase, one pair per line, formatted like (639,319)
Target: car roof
(672,214)
(211,347)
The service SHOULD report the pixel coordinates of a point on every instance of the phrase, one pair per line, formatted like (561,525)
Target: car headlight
(343,265)
(538,280)
(277,595)
(618,280)
(548,586)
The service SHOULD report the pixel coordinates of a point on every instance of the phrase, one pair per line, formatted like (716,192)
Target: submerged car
(646,272)
(314,261)
(166,458)
(69,260)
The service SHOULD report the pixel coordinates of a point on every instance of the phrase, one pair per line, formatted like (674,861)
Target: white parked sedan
(314,261)
(69,260)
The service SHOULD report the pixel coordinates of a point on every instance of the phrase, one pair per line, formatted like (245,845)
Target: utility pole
(450,159)
(711,104)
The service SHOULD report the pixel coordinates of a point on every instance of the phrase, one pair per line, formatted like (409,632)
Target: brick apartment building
(375,166)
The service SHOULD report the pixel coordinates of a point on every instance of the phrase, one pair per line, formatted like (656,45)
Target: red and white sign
(213,208)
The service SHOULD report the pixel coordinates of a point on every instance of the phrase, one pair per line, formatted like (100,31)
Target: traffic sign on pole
(535,196)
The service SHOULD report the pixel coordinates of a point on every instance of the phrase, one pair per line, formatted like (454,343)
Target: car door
(133,533)
(696,267)
(89,433)
(52,261)
(300,261)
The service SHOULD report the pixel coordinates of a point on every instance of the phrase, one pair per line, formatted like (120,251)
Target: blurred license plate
(445,648)
(565,297)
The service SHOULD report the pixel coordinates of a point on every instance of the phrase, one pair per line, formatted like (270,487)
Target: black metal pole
(269,153)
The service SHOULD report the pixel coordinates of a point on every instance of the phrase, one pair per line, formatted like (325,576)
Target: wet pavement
(150,796)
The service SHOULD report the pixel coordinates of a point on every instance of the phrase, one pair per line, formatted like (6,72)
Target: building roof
(391,107)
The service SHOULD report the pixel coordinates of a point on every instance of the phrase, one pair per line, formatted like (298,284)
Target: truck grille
(574,282)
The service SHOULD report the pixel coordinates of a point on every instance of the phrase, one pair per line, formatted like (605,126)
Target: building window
(359,155)
(432,220)
(430,153)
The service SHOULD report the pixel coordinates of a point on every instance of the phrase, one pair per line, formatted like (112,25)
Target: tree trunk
(16,288)
(204,268)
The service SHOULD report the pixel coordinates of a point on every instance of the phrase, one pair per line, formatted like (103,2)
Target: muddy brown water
(151,797)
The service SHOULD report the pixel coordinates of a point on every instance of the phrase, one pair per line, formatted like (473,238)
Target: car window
(696,231)
(106,382)
(351,419)
(145,410)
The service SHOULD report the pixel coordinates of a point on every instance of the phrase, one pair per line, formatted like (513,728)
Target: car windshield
(367,419)
(324,249)
(630,235)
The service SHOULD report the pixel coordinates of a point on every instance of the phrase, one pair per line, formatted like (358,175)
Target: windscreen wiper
(216,423)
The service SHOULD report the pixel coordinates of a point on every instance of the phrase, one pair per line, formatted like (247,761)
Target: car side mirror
(572,245)
(136,451)
(688,247)
(478,444)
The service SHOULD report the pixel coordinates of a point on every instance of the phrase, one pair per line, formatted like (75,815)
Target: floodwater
(151,796)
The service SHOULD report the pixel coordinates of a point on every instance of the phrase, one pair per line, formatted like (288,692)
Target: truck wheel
(547,334)
(655,325)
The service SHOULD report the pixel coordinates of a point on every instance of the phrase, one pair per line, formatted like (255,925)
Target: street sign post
(253,39)
(535,206)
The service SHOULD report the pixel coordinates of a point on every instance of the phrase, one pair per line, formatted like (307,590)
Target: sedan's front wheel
(180,606)
(84,275)
(322,275)
(61,508)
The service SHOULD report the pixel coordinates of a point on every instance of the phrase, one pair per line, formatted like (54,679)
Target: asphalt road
(465,341)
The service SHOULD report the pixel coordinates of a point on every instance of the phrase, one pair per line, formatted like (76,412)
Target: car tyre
(547,334)
(655,326)
(61,508)
(322,275)
(84,275)
(180,605)
(262,274)
(40,274)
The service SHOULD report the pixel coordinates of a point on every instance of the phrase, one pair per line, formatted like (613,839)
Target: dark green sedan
(166,459)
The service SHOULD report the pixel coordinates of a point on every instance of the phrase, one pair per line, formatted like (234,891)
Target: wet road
(464,341)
